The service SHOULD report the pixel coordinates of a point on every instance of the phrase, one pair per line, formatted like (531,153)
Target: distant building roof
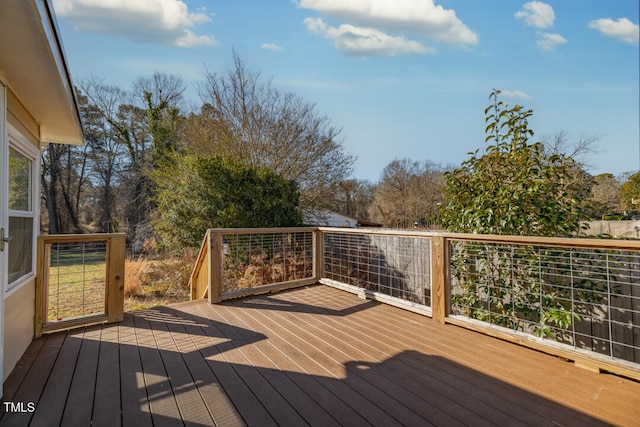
(325,218)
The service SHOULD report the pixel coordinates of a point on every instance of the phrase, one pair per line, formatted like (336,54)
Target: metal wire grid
(398,266)
(587,298)
(76,280)
(253,260)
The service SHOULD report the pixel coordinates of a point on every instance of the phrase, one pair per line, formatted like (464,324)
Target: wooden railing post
(215,260)
(115,277)
(44,255)
(318,254)
(440,291)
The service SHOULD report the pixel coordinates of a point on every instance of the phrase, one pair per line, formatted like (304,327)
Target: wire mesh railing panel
(252,260)
(588,298)
(76,280)
(394,265)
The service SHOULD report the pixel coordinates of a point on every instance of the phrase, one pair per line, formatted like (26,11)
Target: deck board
(354,399)
(314,361)
(107,410)
(309,356)
(249,406)
(32,385)
(162,401)
(57,387)
(192,339)
(133,394)
(402,334)
(17,377)
(279,396)
(280,369)
(441,381)
(193,409)
(83,384)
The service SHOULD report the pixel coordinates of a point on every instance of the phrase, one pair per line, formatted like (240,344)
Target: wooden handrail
(570,242)
(574,242)
(208,263)
(198,273)
(231,231)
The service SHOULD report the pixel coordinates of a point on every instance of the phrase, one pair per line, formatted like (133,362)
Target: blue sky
(402,78)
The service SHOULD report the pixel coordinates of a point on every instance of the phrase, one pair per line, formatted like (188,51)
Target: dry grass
(76,289)
(150,282)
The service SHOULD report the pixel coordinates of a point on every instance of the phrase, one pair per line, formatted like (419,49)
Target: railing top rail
(262,230)
(575,242)
(201,253)
(381,231)
(78,237)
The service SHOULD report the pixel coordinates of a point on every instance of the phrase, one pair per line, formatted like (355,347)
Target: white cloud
(271,46)
(166,22)
(357,41)
(622,29)
(515,94)
(421,17)
(537,14)
(548,41)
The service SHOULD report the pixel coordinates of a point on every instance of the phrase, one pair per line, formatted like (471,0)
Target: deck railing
(80,280)
(576,298)
(238,262)
(391,267)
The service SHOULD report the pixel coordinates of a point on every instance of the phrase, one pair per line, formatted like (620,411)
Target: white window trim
(21,144)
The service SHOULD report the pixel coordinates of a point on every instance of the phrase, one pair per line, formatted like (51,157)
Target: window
(21,214)
(19,181)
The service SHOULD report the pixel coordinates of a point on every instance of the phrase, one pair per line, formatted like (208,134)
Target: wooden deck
(310,356)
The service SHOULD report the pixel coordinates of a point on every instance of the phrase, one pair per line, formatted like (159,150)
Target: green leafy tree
(513,188)
(196,193)
(630,192)
(518,188)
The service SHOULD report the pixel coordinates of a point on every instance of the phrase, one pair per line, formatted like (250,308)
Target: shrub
(196,193)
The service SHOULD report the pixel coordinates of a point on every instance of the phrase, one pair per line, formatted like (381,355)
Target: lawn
(77,283)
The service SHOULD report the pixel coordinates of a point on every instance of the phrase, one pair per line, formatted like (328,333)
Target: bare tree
(408,194)
(163,89)
(64,179)
(251,121)
(572,159)
(605,195)
(353,197)
(160,96)
(559,143)
(107,150)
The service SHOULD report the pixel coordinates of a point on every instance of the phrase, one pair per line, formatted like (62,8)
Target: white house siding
(19,303)
(19,315)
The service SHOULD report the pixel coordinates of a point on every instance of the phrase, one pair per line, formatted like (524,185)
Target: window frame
(17,141)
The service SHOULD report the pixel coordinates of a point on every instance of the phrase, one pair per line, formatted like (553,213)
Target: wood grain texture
(308,356)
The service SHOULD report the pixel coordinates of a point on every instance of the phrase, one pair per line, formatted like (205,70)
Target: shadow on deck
(313,355)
